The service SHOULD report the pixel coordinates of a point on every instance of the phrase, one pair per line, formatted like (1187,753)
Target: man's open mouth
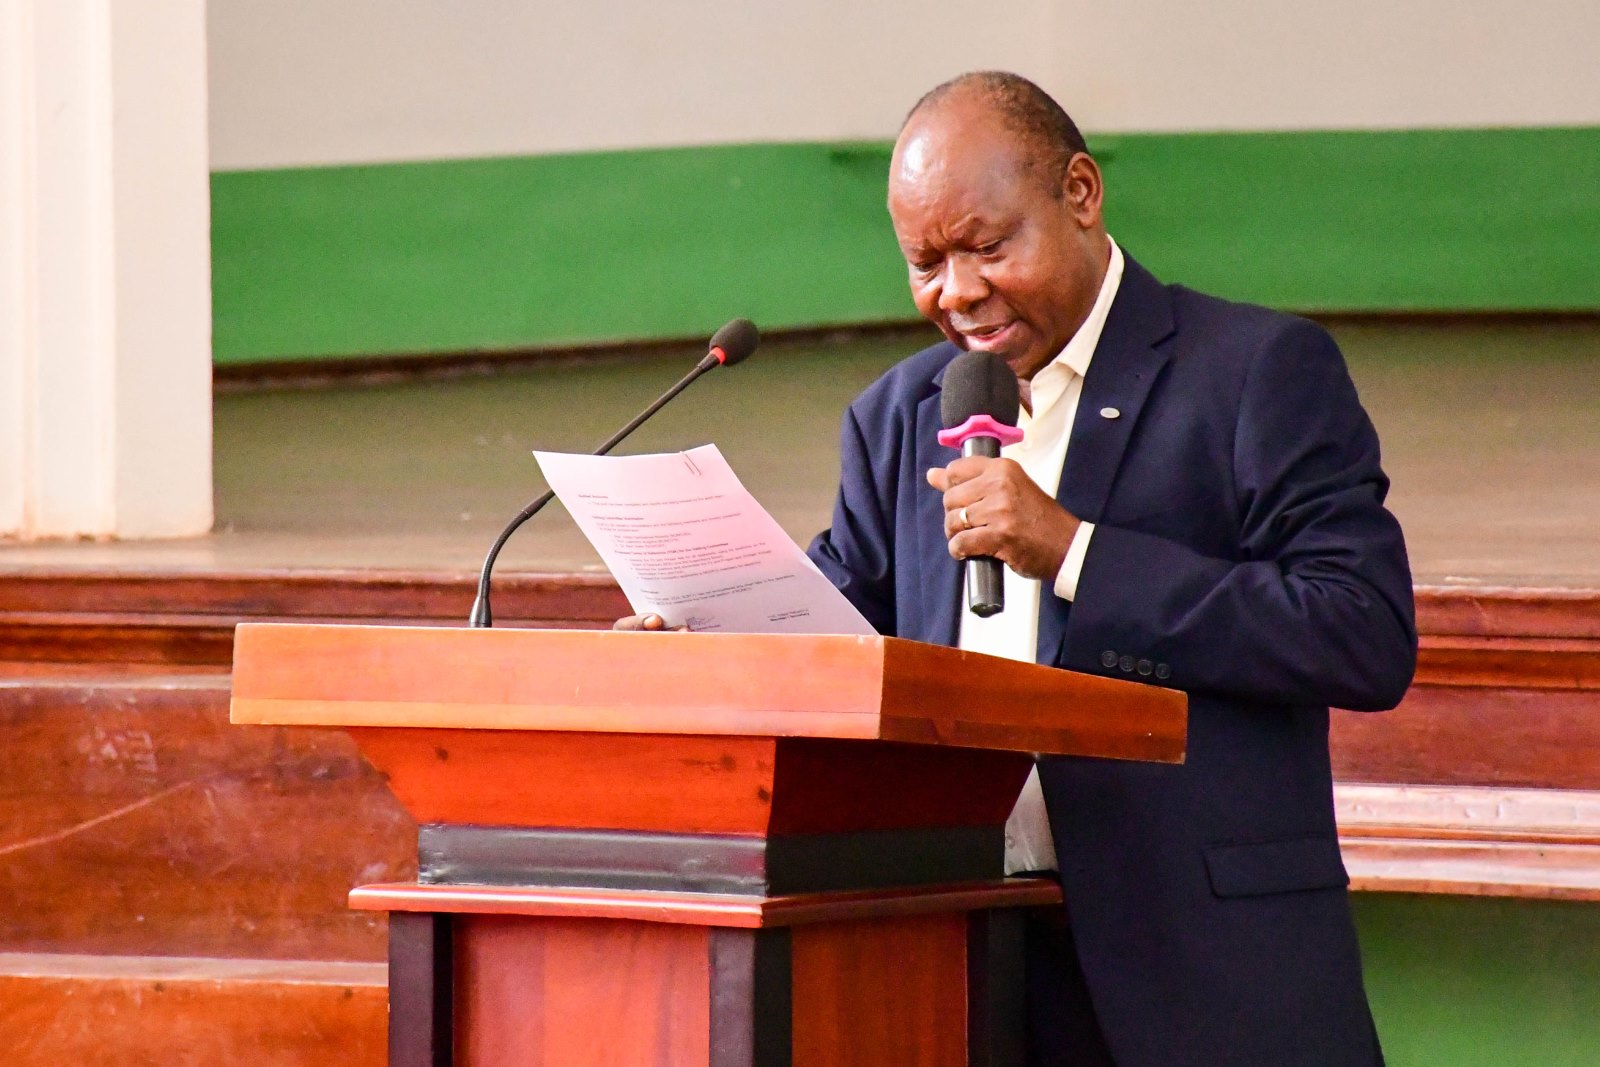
(988,336)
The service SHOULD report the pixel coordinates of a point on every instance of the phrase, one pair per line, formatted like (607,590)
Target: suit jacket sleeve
(1316,606)
(856,552)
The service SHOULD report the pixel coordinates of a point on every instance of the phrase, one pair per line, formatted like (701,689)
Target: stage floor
(1491,433)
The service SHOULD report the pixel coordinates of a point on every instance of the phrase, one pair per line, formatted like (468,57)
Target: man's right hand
(651,622)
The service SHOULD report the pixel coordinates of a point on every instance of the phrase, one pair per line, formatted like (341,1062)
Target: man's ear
(1082,189)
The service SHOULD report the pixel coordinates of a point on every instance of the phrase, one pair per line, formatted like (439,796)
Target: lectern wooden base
(493,976)
(717,850)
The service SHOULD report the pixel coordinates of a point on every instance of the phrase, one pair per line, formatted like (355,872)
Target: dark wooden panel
(996,993)
(1447,735)
(134,818)
(422,990)
(580,993)
(884,991)
(877,859)
(752,1006)
(825,786)
(91,1011)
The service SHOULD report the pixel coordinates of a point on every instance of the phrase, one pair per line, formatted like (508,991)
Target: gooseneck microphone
(732,344)
(978,406)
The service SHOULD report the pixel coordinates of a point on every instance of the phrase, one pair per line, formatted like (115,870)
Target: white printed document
(687,541)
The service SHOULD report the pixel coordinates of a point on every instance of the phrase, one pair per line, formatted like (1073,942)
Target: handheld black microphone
(732,344)
(978,406)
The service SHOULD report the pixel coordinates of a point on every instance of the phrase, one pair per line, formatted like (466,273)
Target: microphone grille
(978,383)
(738,339)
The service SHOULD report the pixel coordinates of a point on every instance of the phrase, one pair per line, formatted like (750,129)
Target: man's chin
(1025,360)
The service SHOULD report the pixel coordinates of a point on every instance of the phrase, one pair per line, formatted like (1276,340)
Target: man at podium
(1196,502)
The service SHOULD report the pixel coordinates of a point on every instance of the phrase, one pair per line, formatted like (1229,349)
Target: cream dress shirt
(1014,632)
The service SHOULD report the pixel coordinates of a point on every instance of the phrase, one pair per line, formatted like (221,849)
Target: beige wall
(300,82)
(1328,64)
(324,81)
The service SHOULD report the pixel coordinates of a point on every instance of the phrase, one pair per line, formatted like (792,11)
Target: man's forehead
(952,138)
(955,170)
(916,154)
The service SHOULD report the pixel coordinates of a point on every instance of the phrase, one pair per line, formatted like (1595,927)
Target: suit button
(1145,667)
(1163,671)
(1108,659)
(1126,663)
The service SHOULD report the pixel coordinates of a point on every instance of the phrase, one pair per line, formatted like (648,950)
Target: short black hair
(1032,114)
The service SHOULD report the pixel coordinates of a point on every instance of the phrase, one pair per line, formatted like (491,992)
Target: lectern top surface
(870,688)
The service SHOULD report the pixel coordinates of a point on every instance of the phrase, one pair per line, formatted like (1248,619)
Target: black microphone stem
(986,589)
(481,616)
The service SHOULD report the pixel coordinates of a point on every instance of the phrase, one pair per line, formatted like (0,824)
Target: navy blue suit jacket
(1242,553)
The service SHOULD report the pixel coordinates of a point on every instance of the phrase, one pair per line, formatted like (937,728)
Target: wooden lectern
(698,849)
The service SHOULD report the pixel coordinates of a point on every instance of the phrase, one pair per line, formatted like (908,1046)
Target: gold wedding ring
(966,523)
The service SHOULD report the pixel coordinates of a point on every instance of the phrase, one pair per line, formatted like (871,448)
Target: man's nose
(963,285)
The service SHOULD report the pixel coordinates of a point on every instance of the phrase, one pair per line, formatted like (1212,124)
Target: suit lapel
(1126,365)
(941,584)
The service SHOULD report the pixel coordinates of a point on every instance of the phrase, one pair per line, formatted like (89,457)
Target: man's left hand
(1007,516)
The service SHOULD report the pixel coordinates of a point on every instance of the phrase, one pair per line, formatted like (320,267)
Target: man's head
(996,205)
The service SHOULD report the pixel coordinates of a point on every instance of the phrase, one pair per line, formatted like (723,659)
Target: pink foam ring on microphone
(720,355)
(979,426)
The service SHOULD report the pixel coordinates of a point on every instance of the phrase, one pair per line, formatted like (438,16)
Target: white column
(105,302)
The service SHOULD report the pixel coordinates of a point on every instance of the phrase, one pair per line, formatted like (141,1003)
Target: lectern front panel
(576,993)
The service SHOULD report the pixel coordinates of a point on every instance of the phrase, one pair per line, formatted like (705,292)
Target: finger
(956,522)
(961,470)
(969,467)
(968,494)
(979,541)
(992,494)
(640,622)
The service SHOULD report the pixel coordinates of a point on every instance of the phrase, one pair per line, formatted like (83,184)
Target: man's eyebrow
(969,227)
(965,225)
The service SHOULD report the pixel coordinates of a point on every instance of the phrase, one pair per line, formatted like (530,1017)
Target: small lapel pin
(1110,413)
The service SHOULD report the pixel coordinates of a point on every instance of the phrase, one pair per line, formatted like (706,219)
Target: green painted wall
(1477,982)
(551,250)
